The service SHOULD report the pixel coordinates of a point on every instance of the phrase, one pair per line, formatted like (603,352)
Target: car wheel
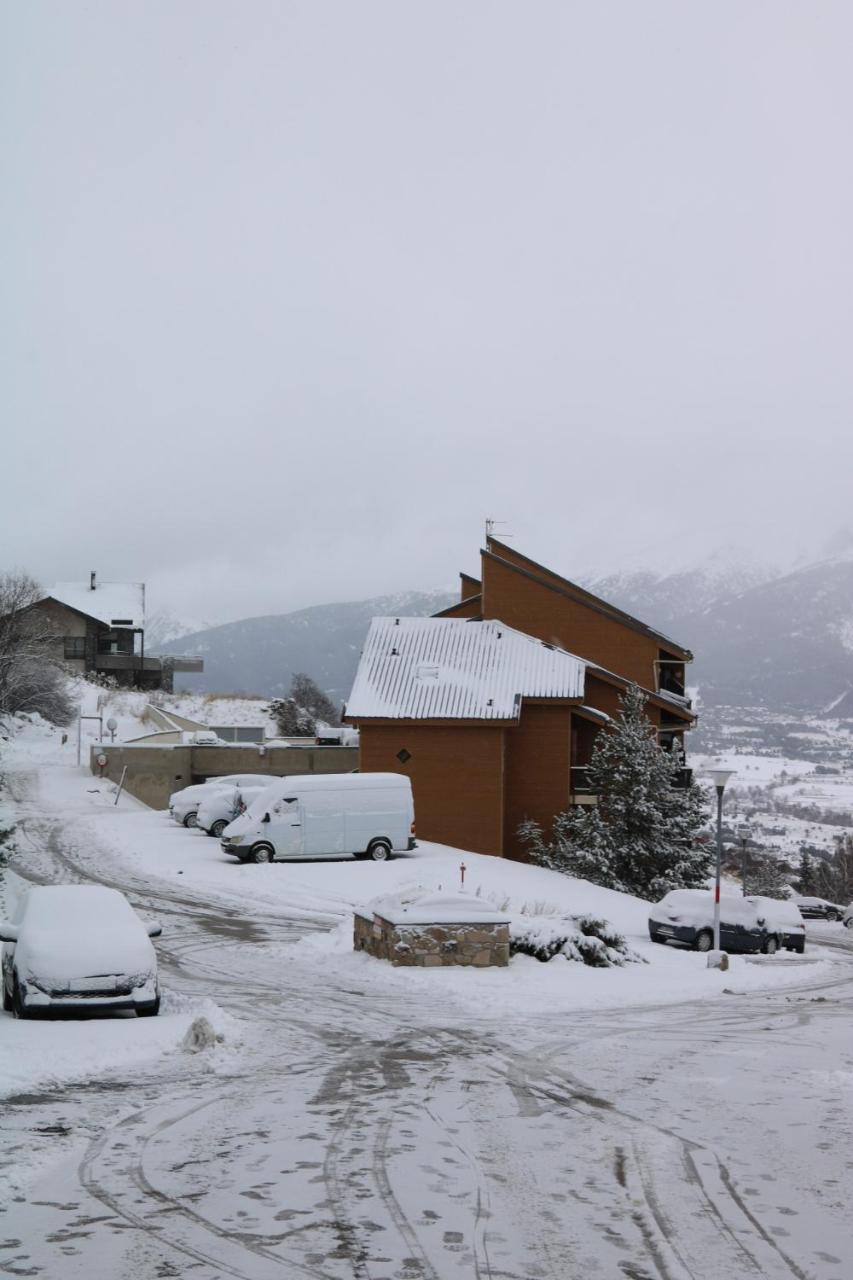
(19,1009)
(800,948)
(379,851)
(150,1010)
(262,853)
(771,946)
(217,828)
(849,923)
(191,820)
(705,940)
(831,916)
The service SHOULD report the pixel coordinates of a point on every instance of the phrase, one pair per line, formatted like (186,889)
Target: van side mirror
(8,932)
(153,928)
(265,818)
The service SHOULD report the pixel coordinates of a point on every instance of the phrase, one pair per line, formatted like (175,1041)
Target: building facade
(99,628)
(493,706)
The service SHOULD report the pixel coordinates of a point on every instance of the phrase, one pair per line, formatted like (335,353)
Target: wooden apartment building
(492,707)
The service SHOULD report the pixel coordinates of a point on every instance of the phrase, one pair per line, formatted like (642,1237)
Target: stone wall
(476,943)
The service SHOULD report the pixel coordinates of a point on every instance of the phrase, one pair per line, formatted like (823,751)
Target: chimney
(92,580)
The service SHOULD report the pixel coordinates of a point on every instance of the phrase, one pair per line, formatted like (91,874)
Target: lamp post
(719,777)
(744,835)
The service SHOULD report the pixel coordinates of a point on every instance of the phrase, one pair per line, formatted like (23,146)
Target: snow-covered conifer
(643,835)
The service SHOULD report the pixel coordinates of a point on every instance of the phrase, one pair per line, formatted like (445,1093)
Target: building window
(75,646)
(404,755)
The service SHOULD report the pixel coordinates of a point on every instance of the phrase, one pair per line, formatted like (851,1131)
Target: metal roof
(456,669)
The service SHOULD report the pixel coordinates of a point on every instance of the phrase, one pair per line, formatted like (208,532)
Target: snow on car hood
(70,932)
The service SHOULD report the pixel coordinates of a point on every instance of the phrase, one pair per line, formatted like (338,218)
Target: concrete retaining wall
(154,772)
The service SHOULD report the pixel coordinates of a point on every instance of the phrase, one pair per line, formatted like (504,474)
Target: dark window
(404,755)
(122,622)
(75,646)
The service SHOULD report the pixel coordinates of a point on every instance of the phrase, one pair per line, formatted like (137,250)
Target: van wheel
(379,851)
(190,820)
(705,941)
(217,828)
(262,853)
(771,945)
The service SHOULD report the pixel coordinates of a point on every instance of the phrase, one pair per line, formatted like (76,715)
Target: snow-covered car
(185,808)
(819,909)
(78,947)
(687,916)
(202,738)
(783,918)
(183,804)
(222,806)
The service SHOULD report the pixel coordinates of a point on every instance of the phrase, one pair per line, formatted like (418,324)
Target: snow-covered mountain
(260,655)
(162,628)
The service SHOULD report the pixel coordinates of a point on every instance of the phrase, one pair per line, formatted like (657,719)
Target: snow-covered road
(340,1131)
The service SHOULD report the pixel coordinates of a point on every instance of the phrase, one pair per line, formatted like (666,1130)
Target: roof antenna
(490,528)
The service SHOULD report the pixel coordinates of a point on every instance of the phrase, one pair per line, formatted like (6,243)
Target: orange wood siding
(464,609)
(457,775)
(534,608)
(537,771)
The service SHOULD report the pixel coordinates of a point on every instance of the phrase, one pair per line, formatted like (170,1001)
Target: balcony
(582,792)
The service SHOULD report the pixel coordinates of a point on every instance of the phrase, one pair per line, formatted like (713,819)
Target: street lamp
(744,835)
(719,777)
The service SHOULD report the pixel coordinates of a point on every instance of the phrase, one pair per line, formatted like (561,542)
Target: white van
(368,815)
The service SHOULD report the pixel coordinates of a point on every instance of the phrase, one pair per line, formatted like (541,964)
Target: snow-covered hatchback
(819,909)
(687,916)
(783,918)
(75,948)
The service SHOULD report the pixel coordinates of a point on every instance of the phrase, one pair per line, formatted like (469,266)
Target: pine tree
(766,877)
(292,721)
(806,879)
(643,836)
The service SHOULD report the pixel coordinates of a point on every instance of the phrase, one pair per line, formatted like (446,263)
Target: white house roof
(455,669)
(110,602)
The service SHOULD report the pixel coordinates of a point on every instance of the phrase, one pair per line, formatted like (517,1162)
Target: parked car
(185,802)
(848,917)
(687,916)
(185,808)
(202,738)
(784,919)
(72,948)
(368,815)
(819,909)
(222,806)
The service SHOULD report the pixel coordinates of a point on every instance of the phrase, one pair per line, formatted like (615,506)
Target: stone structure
(433,930)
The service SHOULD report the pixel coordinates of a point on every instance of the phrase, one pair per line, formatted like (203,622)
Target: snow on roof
(115,603)
(453,669)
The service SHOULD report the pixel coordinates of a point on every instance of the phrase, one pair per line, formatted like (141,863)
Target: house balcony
(583,793)
(134,662)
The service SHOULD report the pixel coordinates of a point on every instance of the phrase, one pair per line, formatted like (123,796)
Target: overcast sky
(297,294)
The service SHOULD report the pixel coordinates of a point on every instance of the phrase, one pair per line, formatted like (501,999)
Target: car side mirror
(265,818)
(8,932)
(154,929)
(761,920)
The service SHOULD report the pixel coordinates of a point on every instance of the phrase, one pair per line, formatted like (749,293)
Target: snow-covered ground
(657,1120)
